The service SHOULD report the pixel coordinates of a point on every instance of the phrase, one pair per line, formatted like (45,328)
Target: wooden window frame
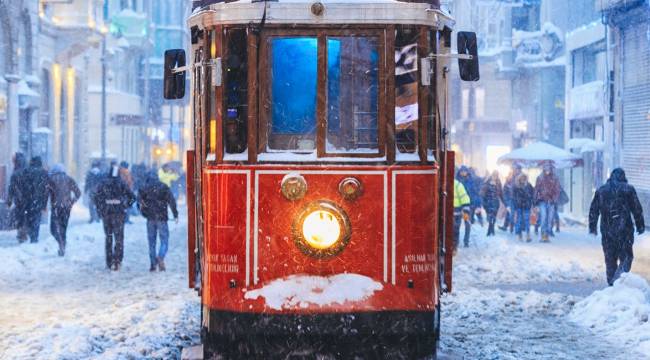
(321,102)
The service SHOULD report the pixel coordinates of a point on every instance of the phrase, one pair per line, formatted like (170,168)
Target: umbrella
(539,153)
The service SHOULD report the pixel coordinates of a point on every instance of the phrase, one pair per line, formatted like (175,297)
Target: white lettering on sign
(418,263)
(223,263)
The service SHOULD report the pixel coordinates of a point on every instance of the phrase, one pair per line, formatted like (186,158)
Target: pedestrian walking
(16,197)
(167,175)
(509,221)
(125,175)
(461,210)
(64,192)
(113,197)
(616,203)
(153,200)
(93,178)
(34,190)
(492,195)
(547,193)
(477,204)
(522,199)
(467,178)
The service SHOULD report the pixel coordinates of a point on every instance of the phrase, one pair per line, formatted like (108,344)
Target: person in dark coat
(93,178)
(547,194)
(616,203)
(153,199)
(64,192)
(34,190)
(16,198)
(509,221)
(492,196)
(113,197)
(467,177)
(125,175)
(523,197)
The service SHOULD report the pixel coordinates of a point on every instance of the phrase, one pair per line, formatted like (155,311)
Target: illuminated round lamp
(322,229)
(293,186)
(350,188)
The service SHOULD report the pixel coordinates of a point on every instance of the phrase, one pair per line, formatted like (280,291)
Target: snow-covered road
(514,300)
(74,308)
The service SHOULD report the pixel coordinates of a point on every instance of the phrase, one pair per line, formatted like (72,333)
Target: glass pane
(352,94)
(406,91)
(236,93)
(294,65)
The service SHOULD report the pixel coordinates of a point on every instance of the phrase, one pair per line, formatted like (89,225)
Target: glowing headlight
(322,229)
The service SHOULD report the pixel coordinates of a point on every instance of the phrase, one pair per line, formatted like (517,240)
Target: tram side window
(293,93)
(406,90)
(236,93)
(352,95)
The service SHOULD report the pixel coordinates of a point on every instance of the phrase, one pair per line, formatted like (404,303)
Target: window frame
(321,88)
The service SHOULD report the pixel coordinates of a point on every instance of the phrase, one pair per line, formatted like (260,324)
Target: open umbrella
(539,153)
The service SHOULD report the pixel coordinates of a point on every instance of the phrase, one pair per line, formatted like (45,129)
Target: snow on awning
(539,153)
(586,145)
(27,98)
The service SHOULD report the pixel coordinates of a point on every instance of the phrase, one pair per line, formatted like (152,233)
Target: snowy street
(515,300)
(74,308)
(511,300)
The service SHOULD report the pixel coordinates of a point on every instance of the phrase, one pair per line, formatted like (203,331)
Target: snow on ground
(74,308)
(303,290)
(514,300)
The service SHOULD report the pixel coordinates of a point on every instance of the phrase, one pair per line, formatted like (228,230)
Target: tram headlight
(322,229)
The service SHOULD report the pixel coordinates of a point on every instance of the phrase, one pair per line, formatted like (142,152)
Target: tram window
(352,95)
(406,90)
(236,93)
(293,90)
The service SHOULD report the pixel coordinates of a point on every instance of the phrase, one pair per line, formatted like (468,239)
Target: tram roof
(350,12)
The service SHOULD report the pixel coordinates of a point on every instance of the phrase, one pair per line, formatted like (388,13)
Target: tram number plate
(223,263)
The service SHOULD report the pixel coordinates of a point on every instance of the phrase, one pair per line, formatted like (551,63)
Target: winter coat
(15,195)
(471,185)
(509,186)
(547,188)
(492,195)
(125,175)
(154,198)
(616,203)
(34,189)
(523,197)
(112,196)
(460,195)
(64,191)
(93,178)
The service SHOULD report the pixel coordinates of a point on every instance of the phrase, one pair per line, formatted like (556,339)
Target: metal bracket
(452,56)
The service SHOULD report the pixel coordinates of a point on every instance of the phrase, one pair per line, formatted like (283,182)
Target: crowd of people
(522,204)
(113,193)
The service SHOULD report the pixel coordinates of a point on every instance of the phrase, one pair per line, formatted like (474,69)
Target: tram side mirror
(467,45)
(174,77)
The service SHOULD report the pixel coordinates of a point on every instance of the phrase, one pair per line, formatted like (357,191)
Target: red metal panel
(191,219)
(449,215)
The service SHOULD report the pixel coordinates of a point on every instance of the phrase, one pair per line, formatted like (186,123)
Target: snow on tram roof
(414,12)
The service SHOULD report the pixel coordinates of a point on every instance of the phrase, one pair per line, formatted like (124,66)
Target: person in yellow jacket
(461,209)
(167,176)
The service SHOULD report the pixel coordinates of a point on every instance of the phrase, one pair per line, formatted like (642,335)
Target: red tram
(320,182)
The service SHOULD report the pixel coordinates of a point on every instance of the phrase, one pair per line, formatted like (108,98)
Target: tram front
(320,170)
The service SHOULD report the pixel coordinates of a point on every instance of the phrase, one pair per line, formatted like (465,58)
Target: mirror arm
(181,69)
(452,56)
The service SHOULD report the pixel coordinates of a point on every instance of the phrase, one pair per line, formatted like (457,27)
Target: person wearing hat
(113,197)
(547,193)
(34,190)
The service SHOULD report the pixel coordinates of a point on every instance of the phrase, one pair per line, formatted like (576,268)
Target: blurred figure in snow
(34,190)
(93,178)
(492,195)
(509,222)
(522,199)
(476,200)
(473,186)
(64,192)
(461,211)
(113,197)
(167,176)
(153,199)
(125,175)
(616,203)
(547,193)
(17,198)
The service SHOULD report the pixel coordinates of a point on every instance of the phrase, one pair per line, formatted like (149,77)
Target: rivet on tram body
(233,283)
(410,284)
(317,8)
(350,188)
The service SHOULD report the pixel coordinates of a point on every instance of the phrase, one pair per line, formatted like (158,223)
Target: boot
(545,238)
(117,266)
(161,264)
(520,237)
(528,238)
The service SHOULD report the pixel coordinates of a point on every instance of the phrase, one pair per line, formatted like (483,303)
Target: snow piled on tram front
(304,290)
(620,312)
